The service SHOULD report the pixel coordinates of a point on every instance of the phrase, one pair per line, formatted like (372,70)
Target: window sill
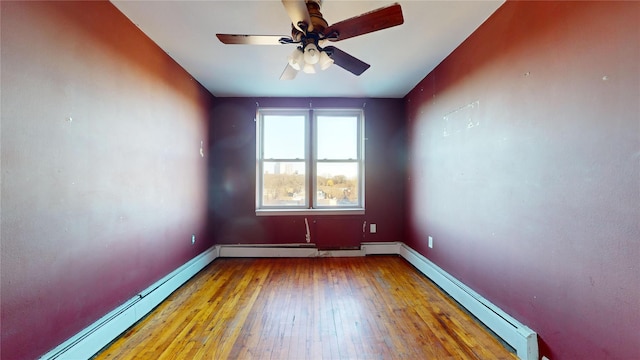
(308,212)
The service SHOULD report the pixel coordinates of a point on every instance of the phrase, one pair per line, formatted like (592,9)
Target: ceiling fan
(311,32)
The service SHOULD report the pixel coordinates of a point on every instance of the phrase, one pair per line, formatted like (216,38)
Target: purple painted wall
(102,179)
(525,168)
(232,195)
(535,206)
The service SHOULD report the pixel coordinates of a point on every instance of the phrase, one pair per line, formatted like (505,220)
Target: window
(310,160)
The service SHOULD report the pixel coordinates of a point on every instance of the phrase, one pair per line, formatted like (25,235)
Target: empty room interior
(327,174)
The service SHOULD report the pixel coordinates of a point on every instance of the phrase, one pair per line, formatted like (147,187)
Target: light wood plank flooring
(375,307)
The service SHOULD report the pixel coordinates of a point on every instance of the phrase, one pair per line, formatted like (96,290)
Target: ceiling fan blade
(297,10)
(289,73)
(253,39)
(375,20)
(346,61)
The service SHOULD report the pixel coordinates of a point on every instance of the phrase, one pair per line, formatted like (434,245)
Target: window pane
(337,137)
(284,136)
(337,184)
(283,184)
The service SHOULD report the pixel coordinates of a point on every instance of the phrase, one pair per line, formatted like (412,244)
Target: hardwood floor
(375,307)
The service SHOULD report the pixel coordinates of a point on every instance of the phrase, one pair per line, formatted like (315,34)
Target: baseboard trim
(96,336)
(274,251)
(284,250)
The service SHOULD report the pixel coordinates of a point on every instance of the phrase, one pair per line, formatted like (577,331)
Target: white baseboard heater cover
(517,335)
(95,337)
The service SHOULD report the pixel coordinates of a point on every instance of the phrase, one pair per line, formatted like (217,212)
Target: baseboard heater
(517,335)
(96,336)
(283,250)
(89,341)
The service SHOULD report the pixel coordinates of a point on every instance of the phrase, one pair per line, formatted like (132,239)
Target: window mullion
(311,167)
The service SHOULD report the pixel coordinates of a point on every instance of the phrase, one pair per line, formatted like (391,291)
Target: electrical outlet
(193,239)
(430,242)
(373,228)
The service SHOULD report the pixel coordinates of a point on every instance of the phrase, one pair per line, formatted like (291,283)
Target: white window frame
(311,161)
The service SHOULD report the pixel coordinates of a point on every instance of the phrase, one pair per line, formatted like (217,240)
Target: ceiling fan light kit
(311,54)
(325,61)
(307,59)
(309,69)
(309,29)
(296,59)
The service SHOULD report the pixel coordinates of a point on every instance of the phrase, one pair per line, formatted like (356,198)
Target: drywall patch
(461,119)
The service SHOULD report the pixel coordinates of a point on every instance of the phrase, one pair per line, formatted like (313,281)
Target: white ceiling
(399,57)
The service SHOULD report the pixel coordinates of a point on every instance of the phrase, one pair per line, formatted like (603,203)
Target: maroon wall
(232,177)
(102,179)
(536,205)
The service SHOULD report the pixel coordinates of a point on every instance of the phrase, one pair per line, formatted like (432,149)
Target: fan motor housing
(317,21)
